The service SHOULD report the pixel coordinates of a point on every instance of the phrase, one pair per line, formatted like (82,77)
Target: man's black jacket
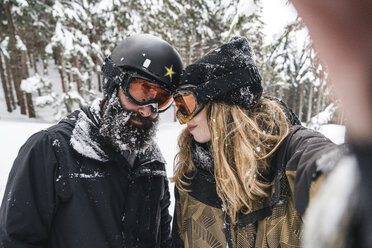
(68,189)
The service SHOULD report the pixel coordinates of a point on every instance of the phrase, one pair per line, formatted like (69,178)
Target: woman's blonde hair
(242,143)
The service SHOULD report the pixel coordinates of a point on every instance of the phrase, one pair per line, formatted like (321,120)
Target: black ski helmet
(151,57)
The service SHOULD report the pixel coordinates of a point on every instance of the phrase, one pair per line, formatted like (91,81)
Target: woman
(246,168)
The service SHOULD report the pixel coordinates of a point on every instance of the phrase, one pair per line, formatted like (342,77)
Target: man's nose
(145,111)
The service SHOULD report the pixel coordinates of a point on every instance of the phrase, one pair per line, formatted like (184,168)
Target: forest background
(51,51)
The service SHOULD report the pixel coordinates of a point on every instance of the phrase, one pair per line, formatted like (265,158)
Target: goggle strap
(221,85)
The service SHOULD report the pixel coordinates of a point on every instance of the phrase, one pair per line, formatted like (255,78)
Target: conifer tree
(15,48)
(5,79)
(248,22)
(78,35)
(196,25)
(294,64)
(33,22)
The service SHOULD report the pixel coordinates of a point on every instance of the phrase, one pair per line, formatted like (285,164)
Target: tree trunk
(62,72)
(301,102)
(33,62)
(4,81)
(25,73)
(10,83)
(61,68)
(15,60)
(30,106)
(322,102)
(197,48)
(16,71)
(98,72)
(68,72)
(76,76)
(29,55)
(188,51)
(291,98)
(89,80)
(318,98)
(5,86)
(310,104)
(99,81)
(45,65)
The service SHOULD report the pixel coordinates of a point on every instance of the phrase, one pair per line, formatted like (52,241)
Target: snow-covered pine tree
(248,21)
(294,67)
(6,80)
(17,51)
(103,33)
(112,22)
(67,46)
(26,23)
(80,34)
(195,26)
(322,96)
(33,21)
(167,23)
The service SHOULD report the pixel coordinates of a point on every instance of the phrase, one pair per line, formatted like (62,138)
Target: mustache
(114,108)
(138,117)
(146,121)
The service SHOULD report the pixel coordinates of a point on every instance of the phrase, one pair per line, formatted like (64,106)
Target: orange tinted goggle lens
(144,91)
(185,102)
(184,119)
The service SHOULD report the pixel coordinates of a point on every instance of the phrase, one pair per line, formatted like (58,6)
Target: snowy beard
(118,130)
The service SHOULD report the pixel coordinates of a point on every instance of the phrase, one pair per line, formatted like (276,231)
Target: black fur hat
(227,73)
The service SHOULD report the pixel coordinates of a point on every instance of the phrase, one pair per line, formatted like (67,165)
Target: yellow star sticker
(170,71)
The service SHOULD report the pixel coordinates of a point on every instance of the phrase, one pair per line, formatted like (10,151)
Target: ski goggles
(190,99)
(144,92)
(187,104)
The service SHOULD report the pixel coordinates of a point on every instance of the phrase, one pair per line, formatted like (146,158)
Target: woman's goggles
(187,104)
(143,92)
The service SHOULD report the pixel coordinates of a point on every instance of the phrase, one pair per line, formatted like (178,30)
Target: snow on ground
(336,133)
(14,132)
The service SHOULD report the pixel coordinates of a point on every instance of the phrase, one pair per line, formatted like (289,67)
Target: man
(97,179)
(342,32)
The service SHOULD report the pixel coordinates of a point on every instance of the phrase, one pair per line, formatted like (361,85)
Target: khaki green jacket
(199,220)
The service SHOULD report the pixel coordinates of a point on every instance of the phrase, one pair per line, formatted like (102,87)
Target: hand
(342,33)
